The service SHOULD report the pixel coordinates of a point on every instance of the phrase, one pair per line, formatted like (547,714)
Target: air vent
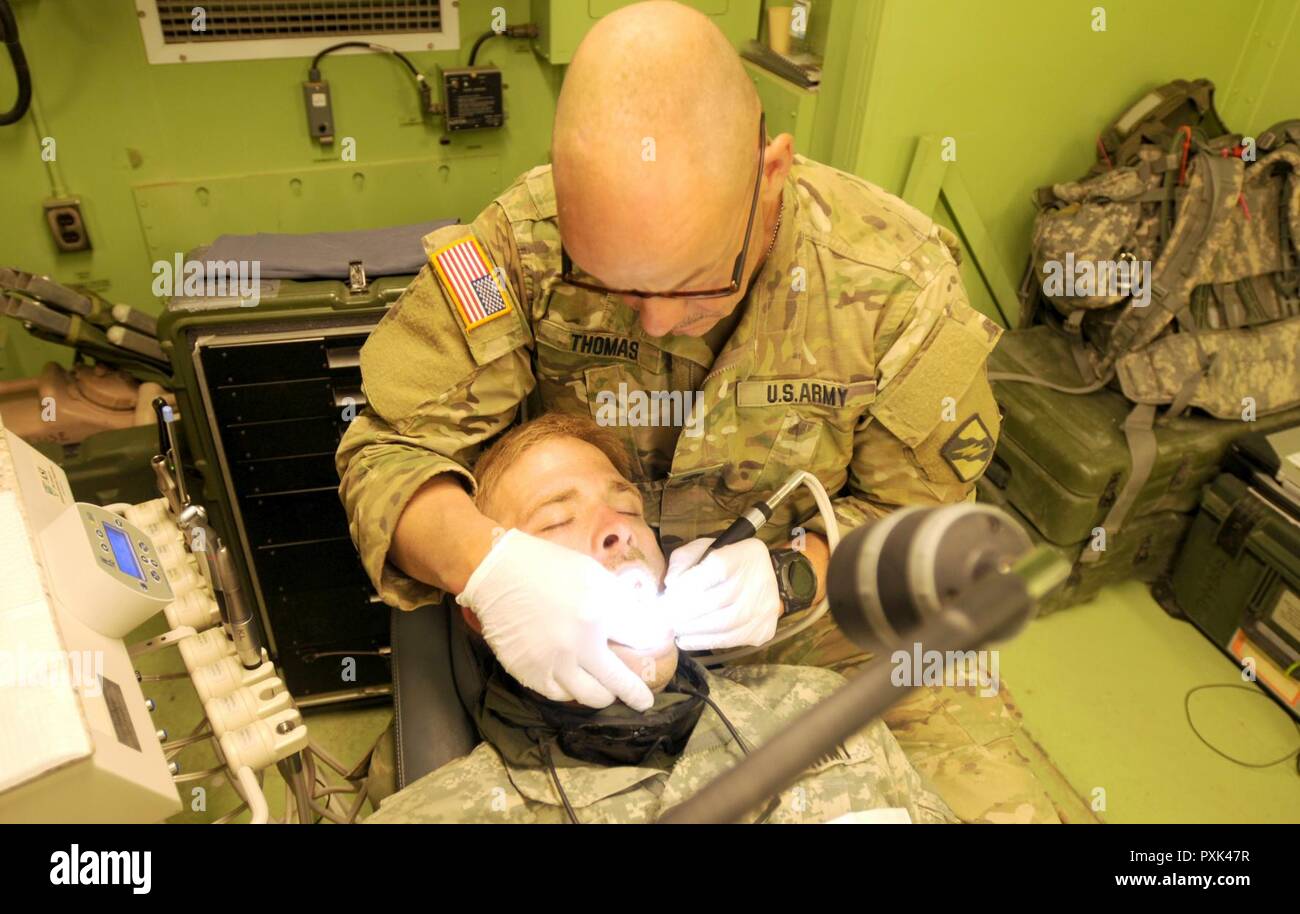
(230,20)
(181,31)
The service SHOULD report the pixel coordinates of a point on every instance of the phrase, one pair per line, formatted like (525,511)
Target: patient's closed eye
(568,520)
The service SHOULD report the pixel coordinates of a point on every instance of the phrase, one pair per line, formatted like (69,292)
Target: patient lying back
(565,479)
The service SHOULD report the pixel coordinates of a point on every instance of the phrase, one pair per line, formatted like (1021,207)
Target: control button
(99,531)
(104,546)
(120,522)
(155,575)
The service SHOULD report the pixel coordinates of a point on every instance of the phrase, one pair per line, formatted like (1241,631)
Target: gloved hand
(730,599)
(547,613)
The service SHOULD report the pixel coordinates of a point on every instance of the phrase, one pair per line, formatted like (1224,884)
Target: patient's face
(566,491)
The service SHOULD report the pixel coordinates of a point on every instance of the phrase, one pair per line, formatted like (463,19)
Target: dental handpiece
(242,627)
(166,485)
(161,462)
(169,417)
(748,524)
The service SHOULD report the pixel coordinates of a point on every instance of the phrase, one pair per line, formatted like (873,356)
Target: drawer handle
(354,394)
(343,357)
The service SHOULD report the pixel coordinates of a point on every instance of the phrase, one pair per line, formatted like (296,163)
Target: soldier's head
(565,479)
(655,158)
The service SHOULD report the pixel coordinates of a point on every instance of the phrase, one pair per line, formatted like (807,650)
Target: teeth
(638,579)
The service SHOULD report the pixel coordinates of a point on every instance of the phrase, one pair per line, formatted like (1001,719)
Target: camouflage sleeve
(868,769)
(435,392)
(475,789)
(904,787)
(933,426)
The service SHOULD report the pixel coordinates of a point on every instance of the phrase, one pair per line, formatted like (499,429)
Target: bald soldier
(780,314)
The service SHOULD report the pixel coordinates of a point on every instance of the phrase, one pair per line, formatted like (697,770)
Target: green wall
(165,157)
(1025,86)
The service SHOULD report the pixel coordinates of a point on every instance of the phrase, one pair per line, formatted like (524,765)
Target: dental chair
(431,655)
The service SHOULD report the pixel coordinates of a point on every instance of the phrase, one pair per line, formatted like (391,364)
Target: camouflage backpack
(1174,268)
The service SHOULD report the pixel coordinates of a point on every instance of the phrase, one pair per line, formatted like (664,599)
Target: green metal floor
(1101,687)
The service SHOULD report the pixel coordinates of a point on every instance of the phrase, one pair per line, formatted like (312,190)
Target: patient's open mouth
(655,635)
(639,578)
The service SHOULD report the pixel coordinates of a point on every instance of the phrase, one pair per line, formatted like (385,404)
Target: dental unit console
(77,740)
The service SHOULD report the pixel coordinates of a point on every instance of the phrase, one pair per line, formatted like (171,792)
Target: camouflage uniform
(855,357)
(970,746)
(870,772)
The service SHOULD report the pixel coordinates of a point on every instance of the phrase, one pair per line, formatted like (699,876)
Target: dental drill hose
(294,773)
(747,525)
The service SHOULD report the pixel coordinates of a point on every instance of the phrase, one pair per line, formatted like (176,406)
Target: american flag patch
(472,282)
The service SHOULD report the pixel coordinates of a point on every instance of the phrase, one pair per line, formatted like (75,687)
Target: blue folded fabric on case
(392,251)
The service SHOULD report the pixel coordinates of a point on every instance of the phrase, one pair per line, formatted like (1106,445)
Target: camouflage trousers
(969,747)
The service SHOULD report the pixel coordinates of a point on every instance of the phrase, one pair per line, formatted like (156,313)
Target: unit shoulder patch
(968,449)
(474,284)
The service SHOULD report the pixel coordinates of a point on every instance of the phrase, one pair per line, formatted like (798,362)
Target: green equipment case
(1238,575)
(1062,459)
(109,467)
(1145,552)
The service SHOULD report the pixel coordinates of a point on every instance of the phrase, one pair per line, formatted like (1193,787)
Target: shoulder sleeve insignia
(474,284)
(968,449)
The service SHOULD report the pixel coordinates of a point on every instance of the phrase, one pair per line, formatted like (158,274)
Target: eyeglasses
(566,265)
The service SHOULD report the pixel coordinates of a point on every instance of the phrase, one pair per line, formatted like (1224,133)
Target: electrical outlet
(63,215)
(320,112)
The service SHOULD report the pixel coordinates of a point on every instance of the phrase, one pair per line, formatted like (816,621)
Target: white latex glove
(547,613)
(730,599)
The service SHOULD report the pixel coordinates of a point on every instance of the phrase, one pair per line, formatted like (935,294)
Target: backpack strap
(1139,431)
(1171,288)
(1279,134)
(1156,116)
(1183,398)
(1275,137)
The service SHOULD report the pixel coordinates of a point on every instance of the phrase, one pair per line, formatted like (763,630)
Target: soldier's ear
(777,159)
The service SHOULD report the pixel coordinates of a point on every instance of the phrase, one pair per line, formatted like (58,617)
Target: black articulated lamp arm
(781,760)
(992,604)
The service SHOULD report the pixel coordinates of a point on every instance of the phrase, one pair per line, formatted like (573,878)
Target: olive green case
(1062,459)
(1240,568)
(1144,551)
(1238,579)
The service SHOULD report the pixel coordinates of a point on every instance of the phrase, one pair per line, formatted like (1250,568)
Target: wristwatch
(795,579)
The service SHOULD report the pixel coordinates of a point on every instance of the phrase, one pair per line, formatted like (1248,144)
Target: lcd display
(120,543)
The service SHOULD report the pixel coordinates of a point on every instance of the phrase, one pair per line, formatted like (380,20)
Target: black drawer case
(265,395)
